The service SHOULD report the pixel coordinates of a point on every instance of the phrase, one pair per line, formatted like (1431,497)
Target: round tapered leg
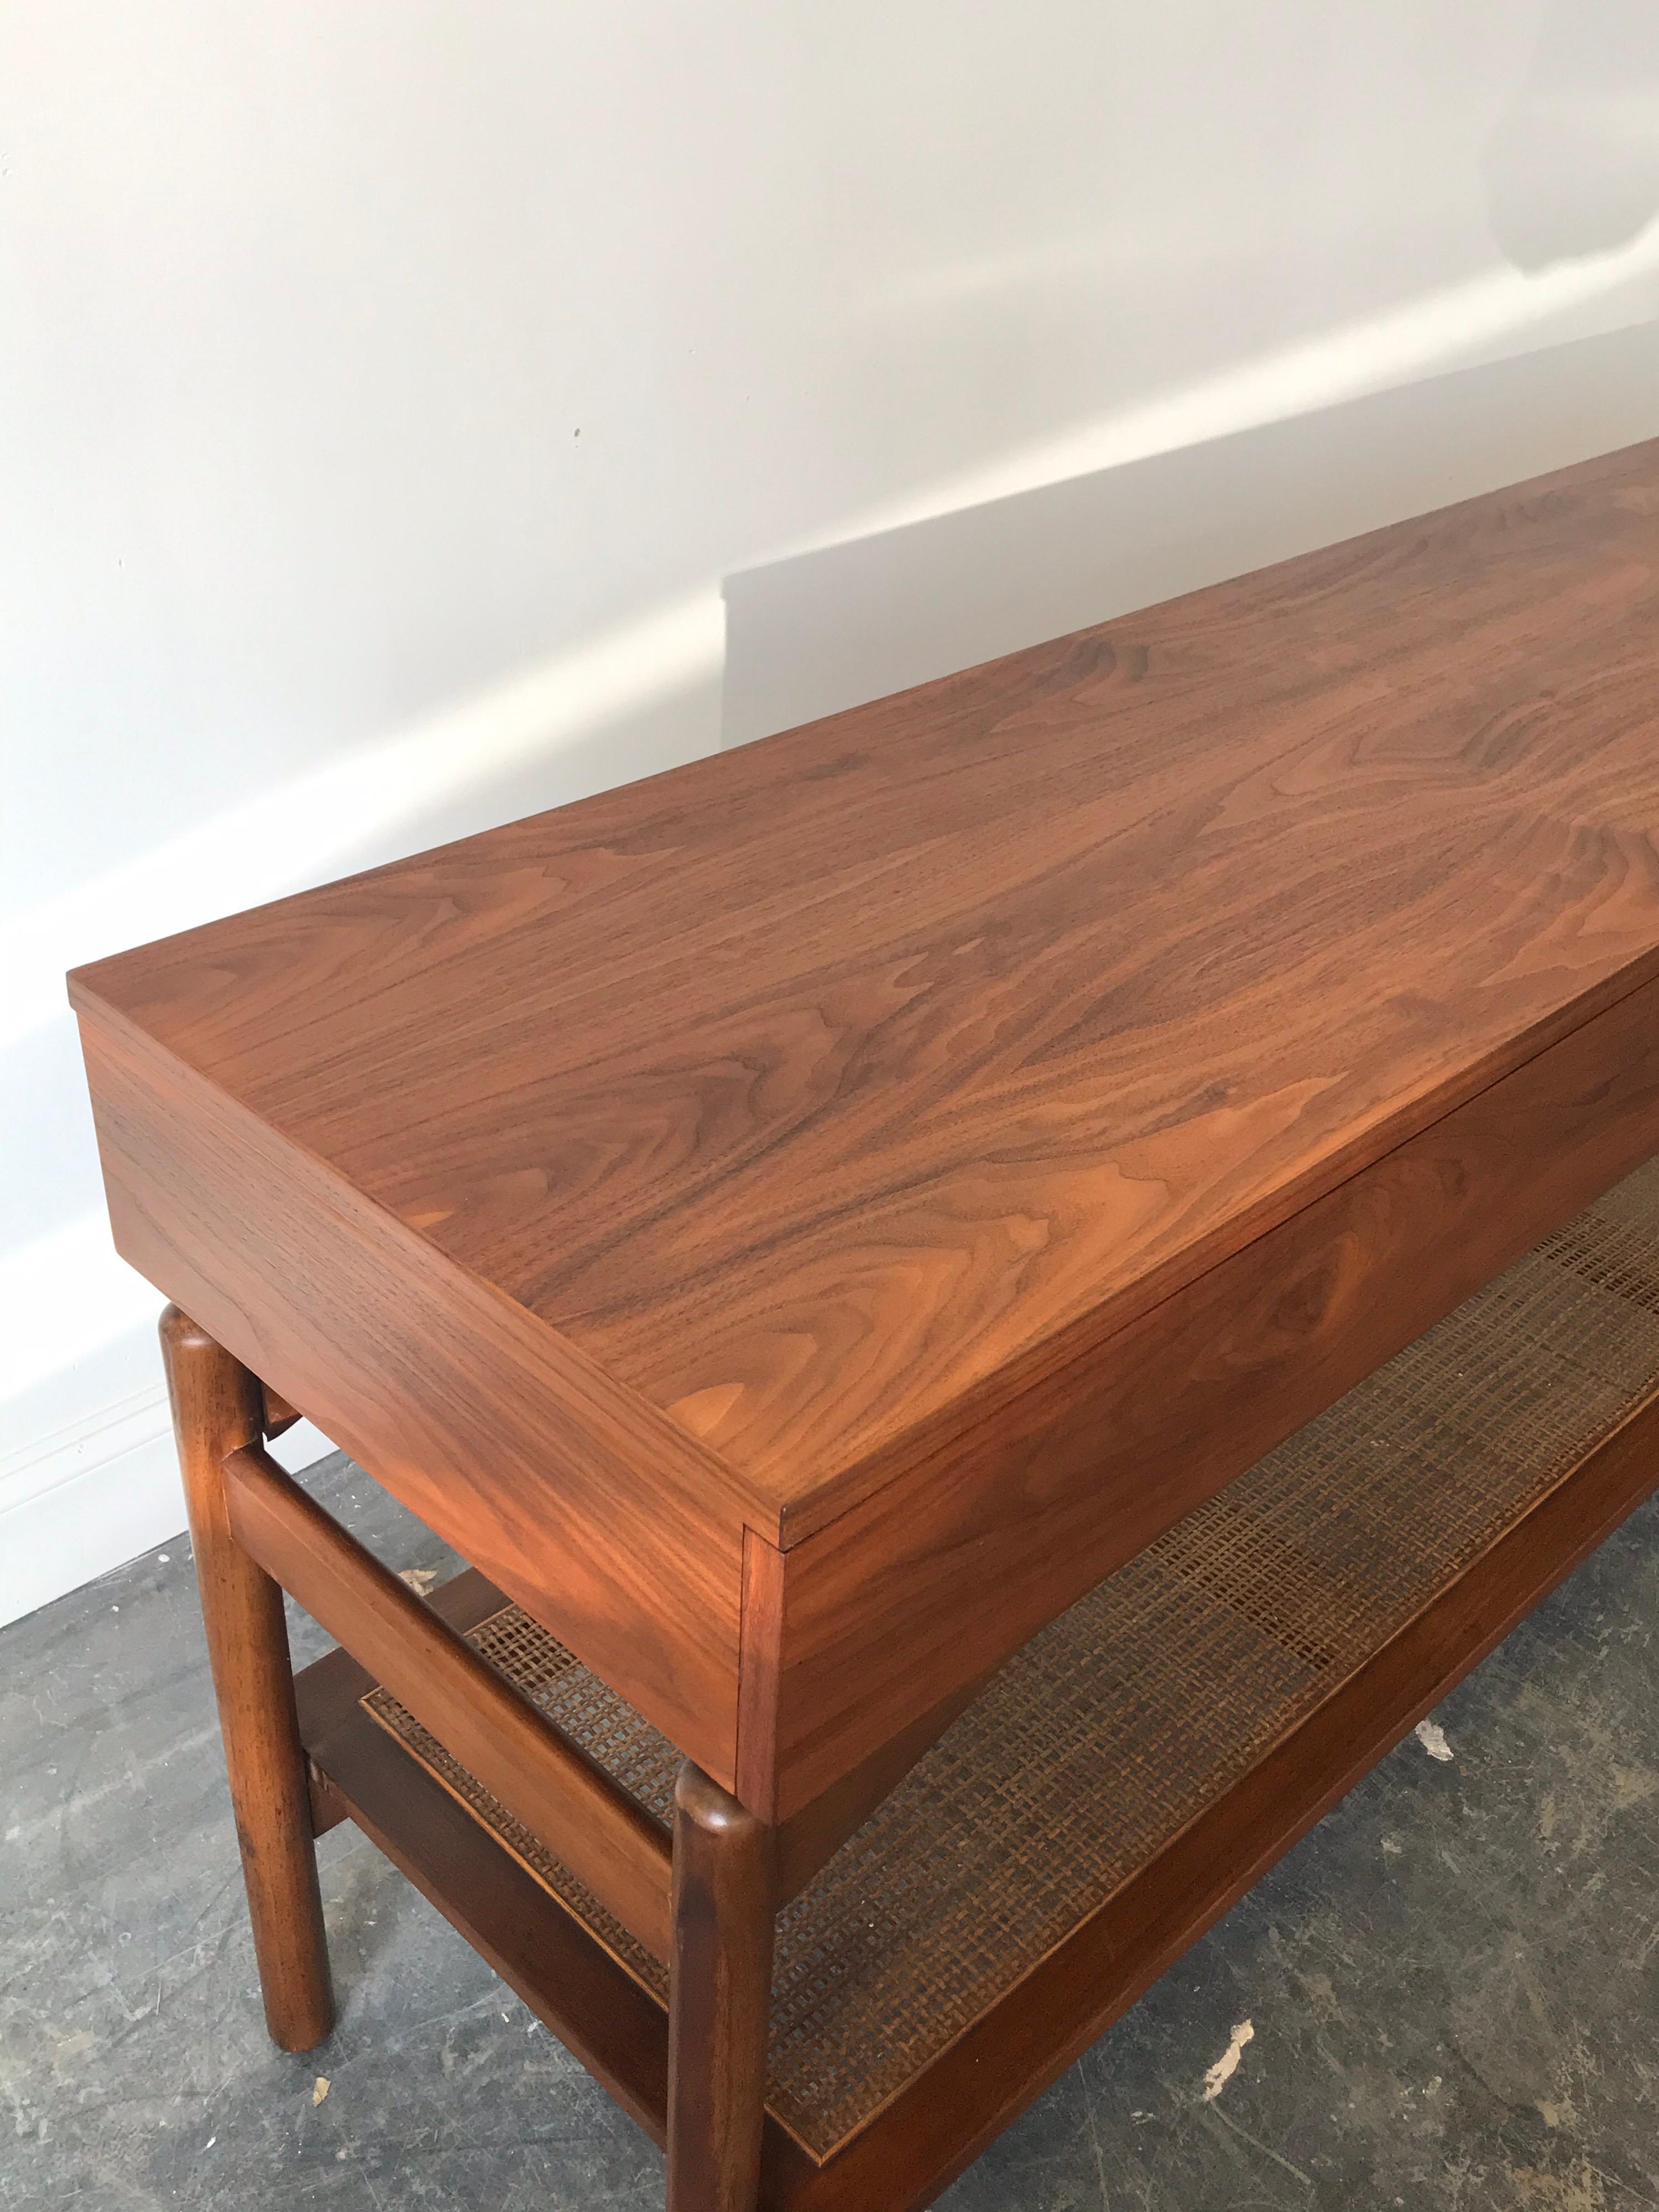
(719,1999)
(217,1408)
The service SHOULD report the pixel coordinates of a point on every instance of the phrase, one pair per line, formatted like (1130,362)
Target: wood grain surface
(816,1149)
(855,1633)
(806,1088)
(574,1497)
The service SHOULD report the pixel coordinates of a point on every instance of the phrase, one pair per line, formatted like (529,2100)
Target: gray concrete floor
(1453,1985)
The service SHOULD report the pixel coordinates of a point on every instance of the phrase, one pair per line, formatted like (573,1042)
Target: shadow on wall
(1572,167)
(830,629)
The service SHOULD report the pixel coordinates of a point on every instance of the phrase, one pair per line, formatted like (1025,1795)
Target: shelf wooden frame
(939,2124)
(566,1800)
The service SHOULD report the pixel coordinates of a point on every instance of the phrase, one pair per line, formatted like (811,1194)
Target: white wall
(388,390)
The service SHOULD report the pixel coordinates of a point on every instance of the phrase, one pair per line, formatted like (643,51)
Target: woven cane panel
(1118,1722)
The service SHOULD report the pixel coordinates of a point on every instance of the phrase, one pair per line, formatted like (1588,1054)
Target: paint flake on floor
(1227,2065)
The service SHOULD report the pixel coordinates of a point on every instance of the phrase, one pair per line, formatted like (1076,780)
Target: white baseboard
(92,1496)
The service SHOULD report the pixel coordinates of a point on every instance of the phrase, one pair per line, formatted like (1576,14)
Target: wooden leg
(217,1407)
(719,1998)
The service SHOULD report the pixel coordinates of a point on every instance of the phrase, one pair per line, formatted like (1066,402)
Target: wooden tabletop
(809,1086)
(820,1091)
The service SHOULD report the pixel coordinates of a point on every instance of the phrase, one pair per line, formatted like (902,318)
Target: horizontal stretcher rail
(550,1785)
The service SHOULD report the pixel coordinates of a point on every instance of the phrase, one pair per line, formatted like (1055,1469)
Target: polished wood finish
(930,1030)
(719,1998)
(566,1800)
(513,1449)
(761,1645)
(741,1149)
(916,1592)
(326,1689)
(217,1407)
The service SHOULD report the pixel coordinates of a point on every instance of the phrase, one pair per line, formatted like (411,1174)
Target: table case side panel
(582,1503)
(944,1574)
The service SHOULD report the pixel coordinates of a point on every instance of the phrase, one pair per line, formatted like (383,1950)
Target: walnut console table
(1001,1292)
